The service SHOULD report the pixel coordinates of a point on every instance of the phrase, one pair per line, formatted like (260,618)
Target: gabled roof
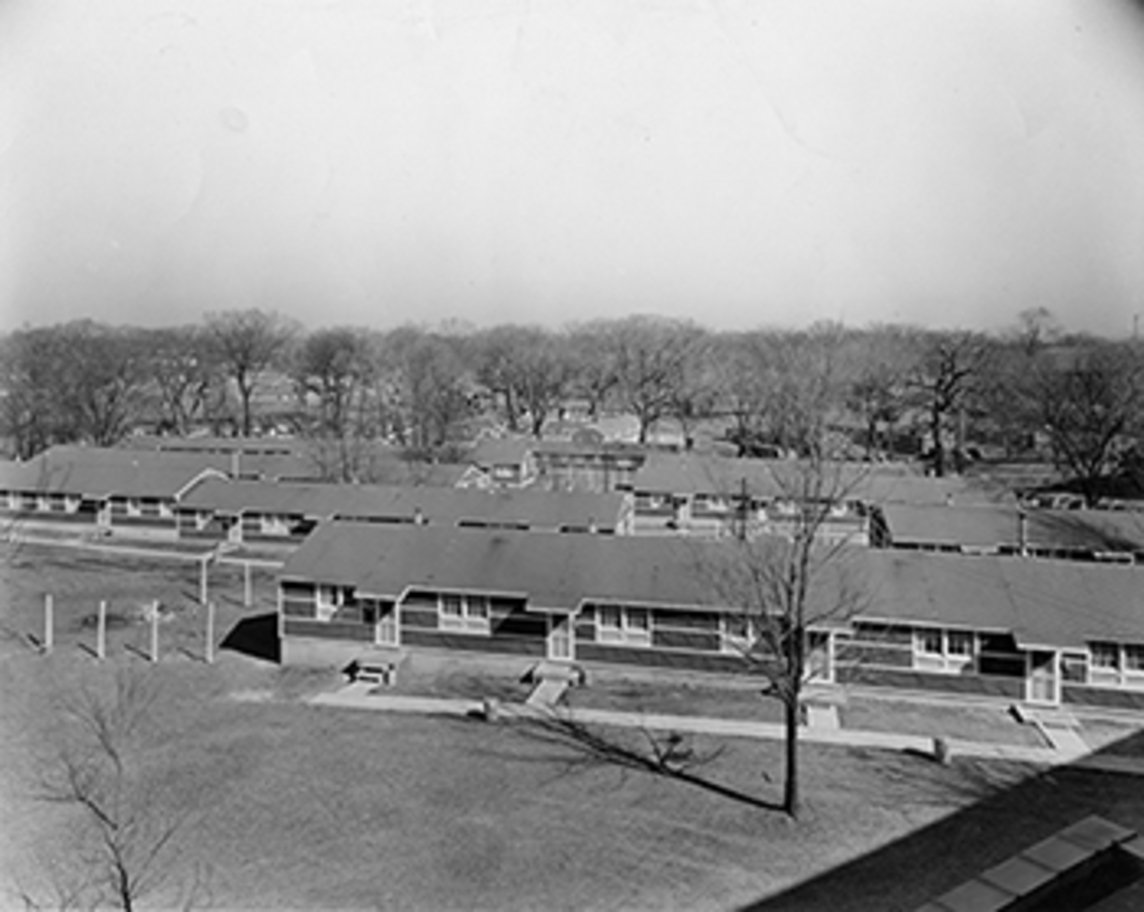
(553,571)
(1041,602)
(537,509)
(502,451)
(999,524)
(100,473)
(299,459)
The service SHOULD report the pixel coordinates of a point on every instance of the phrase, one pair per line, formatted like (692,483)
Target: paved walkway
(1071,750)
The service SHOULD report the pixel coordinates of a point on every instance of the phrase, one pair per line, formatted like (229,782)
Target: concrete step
(547,692)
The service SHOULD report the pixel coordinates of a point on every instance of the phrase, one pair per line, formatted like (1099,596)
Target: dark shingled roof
(1042,602)
(100,473)
(537,509)
(771,478)
(999,524)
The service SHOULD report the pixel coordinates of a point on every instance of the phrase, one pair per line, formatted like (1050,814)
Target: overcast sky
(947,162)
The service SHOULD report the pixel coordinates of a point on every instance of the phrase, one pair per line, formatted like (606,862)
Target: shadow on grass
(670,755)
(255,636)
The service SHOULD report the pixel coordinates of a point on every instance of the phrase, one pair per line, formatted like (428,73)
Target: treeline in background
(877,392)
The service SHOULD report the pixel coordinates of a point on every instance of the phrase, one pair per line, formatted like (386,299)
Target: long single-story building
(1020,630)
(106,489)
(267,513)
(1007,528)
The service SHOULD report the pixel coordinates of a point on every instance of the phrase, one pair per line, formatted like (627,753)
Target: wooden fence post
(101,632)
(48,626)
(155,631)
(210,633)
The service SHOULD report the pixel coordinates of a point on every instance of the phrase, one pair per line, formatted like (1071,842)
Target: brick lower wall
(1104,697)
(902,679)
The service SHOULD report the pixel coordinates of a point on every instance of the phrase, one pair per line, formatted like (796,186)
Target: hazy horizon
(737,163)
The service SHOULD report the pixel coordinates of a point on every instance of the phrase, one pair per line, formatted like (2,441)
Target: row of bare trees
(880,388)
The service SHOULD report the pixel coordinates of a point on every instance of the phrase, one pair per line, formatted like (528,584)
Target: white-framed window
(928,642)
(959,644)
(623,624)
(273,525)
(937,649)
(1104,656)
(467,613)
(1134,657)
(327,598)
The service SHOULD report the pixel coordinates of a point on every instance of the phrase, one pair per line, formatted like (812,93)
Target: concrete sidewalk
(363,696)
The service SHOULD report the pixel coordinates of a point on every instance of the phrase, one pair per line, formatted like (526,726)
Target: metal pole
(101,632)
(248,589)
(203,582)
(155,631)
(48,622)
(210,633)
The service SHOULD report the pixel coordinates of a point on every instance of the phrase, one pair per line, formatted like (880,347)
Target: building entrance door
(1043,681)
(560,637)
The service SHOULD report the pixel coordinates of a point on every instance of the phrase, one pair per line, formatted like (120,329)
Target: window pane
(1134,658)
(478,606)
(639,618)
(929,641)
(609,616)
(451,605)
(1105,655)
(959,643)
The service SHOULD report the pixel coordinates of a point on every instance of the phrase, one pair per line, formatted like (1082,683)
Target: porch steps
(379,668)
(820,715)
(547,692)
(551,680)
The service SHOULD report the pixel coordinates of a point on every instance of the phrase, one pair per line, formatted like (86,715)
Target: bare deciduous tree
(651,357)
(944,380)
(125,826)
(246,343)
(332,371)
(789,586)
(1089,399)
(186,377)
(430,384)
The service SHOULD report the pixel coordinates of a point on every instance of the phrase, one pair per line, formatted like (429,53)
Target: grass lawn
(989,724)
(313,807)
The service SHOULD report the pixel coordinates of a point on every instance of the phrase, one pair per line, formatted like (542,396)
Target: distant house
(556,465)
(1048,632)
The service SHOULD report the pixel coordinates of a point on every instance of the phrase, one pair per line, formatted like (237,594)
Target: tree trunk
(938,447)
(790,781)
